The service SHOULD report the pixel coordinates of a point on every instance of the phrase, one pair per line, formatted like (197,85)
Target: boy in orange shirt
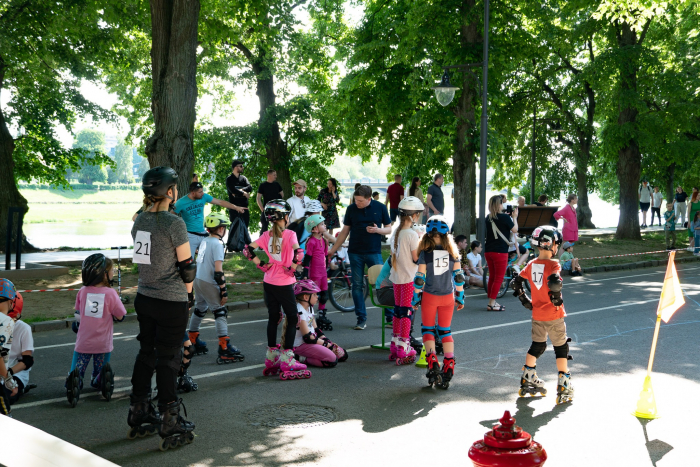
(548,314)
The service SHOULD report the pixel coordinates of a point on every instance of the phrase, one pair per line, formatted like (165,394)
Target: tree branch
(568,63)
(644,32)
(299,3)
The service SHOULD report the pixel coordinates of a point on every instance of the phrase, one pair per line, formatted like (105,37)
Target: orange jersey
(536,272)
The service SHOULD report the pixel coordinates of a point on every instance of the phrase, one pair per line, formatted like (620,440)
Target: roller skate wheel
(330,328)
(164,444)
(190,437)
(219,360)
(131,434)
(521,392)
(284,377)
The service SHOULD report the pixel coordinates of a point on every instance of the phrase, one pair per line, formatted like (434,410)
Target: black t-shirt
(681,197)
(269,191)
(236,185)
(361,241)
(495,244)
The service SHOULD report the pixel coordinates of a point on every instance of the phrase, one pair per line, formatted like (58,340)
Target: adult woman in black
(166,273)
(329,198)
(498,233)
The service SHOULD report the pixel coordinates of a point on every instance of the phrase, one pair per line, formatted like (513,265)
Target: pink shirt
(570,230)
(280,256)
(97,306)
(317,249)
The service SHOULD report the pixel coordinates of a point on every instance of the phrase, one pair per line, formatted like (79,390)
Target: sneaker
(360,325)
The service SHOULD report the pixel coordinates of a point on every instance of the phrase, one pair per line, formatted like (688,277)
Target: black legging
(656,211)
(276,297)
(162,324)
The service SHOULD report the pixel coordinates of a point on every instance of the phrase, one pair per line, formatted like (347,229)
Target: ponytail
(277,230)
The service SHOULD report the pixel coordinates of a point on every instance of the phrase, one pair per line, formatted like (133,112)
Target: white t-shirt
(22,341)
(405,269)
(7,324)
(645,194)
(298,207)
(658,197)
(474,260)
(307,316)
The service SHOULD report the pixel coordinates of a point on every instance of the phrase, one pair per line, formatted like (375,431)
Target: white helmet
(410,205)
(313,206)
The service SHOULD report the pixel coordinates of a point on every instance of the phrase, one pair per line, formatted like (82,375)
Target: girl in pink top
(282,249)
(315,265)
(97,306)
(568,215)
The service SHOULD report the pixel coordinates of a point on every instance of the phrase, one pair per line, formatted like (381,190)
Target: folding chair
(372,275)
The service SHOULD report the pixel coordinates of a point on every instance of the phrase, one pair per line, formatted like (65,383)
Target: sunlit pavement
(386,415)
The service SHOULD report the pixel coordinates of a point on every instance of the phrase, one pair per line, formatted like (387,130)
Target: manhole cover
(291,416)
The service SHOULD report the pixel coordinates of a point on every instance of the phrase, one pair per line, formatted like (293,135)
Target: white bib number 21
(142,247)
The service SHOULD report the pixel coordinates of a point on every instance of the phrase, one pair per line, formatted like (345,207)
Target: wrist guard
(419,280)
(190,299)
(291,272)
(458,277)
(219,277)
(310,338)
(75,326)
(415,301)
(459,296)
(319,332)
(187,270)
(10,382)
(519,291)
(223,293)
(249,253)
(263,266)
(298,256)
(555,298)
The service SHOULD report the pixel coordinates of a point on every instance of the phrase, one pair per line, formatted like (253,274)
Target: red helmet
(16,312)
(306,286)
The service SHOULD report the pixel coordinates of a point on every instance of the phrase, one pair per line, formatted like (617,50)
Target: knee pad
(148,358)
(323,297)
(221,312)
(200,313)
(562,351)
(329,364)
(445,334)
(537,349)
(428,333)
(403,311)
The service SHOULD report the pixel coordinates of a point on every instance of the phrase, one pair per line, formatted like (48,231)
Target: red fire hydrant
(507,445)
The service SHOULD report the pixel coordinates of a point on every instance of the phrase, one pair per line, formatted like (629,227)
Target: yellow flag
(671,293)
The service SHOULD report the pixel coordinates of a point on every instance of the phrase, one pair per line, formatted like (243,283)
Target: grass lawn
(84,212)
(588,247)
(81,196)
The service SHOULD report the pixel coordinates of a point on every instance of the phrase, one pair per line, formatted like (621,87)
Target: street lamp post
(445,92)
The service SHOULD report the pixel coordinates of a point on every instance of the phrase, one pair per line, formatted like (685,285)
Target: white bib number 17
(142,248)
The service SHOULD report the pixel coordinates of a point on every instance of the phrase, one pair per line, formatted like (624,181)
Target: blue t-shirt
(361,241)
(192,211)
(438,271)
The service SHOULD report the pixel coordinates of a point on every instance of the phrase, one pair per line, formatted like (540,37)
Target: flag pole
(653,344)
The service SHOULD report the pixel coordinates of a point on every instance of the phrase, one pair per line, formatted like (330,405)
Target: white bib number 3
(441,262)
(94,305)
(142,247)
(537,274)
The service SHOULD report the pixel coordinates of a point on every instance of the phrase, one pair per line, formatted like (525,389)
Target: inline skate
(143,420)
(200,346)
(272,361)
(323,322)
(290,368)
(434,376)
(174,430)
(185,383)
(393,349)
(405,354)
(106,381)
(74,383)
(565,390)
(448,370)
(530,383)
(227,352)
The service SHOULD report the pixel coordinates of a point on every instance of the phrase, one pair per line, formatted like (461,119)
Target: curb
(638,265)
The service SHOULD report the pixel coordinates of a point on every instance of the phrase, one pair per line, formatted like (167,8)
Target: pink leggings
(316,355)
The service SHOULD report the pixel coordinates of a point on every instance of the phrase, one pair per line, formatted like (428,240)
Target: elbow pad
(419,280)
(28,361)
(458,277)
(298,256)
(249,253)
(310,338)
(187,269)
(554,283)
(219,277)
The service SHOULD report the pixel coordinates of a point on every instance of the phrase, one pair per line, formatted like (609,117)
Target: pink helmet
(306,286)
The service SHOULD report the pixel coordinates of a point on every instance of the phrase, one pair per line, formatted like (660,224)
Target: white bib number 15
(142,248)
(441,262)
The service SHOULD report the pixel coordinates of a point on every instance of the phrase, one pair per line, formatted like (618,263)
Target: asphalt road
(384,414)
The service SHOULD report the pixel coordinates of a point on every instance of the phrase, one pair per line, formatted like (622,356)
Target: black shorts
(644,206)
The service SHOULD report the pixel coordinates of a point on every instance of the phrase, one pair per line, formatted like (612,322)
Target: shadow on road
(524,415)
(656,448)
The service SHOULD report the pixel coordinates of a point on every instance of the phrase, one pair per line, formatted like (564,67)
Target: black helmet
(158,180)
(94,268)
(545,236)
(277,209)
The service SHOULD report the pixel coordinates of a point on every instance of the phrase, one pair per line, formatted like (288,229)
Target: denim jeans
(697,242)
(357,264)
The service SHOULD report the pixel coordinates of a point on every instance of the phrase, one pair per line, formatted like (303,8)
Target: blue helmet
(7,290)
(438,224)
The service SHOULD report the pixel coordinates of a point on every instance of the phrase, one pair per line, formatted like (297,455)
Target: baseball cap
(566,245)
(301,182)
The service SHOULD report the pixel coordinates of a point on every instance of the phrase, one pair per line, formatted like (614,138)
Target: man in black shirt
(267,191)
(239,190)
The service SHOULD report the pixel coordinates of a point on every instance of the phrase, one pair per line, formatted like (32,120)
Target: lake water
(118,233)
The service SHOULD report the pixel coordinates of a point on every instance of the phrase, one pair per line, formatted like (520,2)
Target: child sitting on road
(315,264)
(548,314)
(311,346)
(568,261)
(670,226)
(8,386)
(97,306)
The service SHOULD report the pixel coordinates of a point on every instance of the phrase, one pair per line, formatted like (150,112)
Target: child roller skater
(404,254)
(97,305)
(282,249)
(315,265)
(9,388)
(311,346)
(210,288)
(441,278)
(548,314)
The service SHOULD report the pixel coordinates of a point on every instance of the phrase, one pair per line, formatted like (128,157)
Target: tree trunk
(583,209)
(464,162)
(9,193)
(629,163)
(275,147)
(670,189)
(174,70)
